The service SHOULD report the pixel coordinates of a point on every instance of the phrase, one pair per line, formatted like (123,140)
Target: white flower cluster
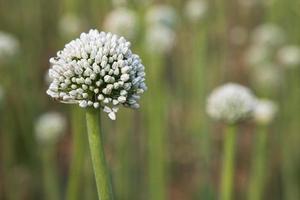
(160,34)
(164,15)
(265,111)
(50,127)
(70,25)
(289,56)
(268,35)
(195,10)
(97,70)
(9,45)
(121,21)
(230,103)
(266,77)
(160,39)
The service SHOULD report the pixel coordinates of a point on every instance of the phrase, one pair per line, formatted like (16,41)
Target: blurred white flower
(159,39)
(289,56)
(265,111)
(50,127)
(269,35)
(238,35)
(97,70)
(70,25)
(257,54)
(121,21)
(9,46)
(267,77)
(164,15)
(230,103)
(195,10)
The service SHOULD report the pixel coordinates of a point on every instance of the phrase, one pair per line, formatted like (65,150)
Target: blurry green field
(169,148)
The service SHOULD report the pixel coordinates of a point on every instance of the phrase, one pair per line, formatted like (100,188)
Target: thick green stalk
(228,163)
(290,139)
(258,173)
(51,182)
(97,153)
(78,152)
(157,165)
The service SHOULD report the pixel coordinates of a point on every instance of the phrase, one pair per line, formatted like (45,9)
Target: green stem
(78,152)
(51,181)
(157,151)
(228,163)
(258,173)
(97,154)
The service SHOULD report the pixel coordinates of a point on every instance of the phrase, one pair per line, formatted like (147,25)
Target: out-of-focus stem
(156,131)
(97,153)
(50,176)
(228,163)
(78,152)
(258,172)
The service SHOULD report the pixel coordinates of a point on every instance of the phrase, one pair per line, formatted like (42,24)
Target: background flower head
(121,21)
(50,127)
(265,111)
(9,46)
(230,103)
(289,56)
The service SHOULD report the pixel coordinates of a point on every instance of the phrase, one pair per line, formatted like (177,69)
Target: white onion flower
(265,111)
(121,21)
(164,15)
(9,45)
(50,127)
(70,25)
(97,70)
(289,56)
(195,10)
(269,35)
(159,39)
(230,103)
(257,54)
(267,77)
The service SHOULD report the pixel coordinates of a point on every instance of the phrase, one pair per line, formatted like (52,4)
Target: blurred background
(169,148)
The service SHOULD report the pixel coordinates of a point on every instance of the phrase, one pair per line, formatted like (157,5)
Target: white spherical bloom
(121,21)
(163,15)
(50,127)
(9,45)
(289,56)
(264,111)
(159,39)
(195,10)
(230,103)
(70,25)
(257,54)
(267,77)
(269,35)
(97,70)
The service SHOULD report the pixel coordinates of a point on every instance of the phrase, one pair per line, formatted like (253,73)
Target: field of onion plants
(149,100)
